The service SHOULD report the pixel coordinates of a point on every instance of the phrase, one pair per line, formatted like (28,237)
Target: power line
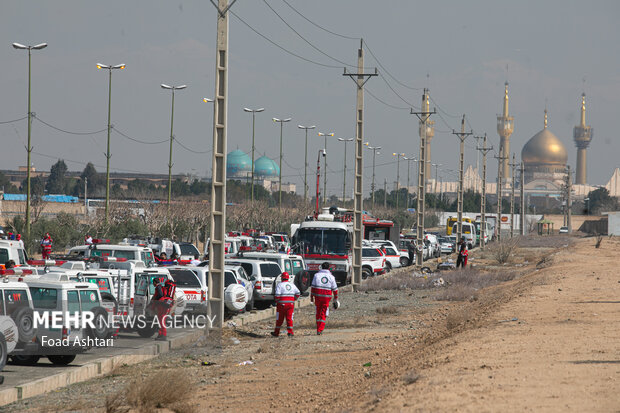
(135,139)
(304,39)
(387,71)
(66,131)
(319,26)
(189,149)
(441,110)
(396,93)
(384,102)
(14,120)
(281,47)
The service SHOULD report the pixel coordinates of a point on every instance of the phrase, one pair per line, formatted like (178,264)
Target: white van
(129,252)
(469,232)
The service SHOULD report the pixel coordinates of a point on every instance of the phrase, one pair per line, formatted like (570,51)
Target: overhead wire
(12,121)
(304,39)
(384,102)
(189,149)
(318,25)
(282,47)
(387,71)
(136,139)
(66,131)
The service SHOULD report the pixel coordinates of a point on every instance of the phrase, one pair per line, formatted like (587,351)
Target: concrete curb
(95,368)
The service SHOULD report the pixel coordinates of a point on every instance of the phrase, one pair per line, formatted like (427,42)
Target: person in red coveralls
(323,287)
(286,294)
(46,246)
(162,301)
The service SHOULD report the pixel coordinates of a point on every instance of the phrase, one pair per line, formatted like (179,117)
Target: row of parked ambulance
(104,279)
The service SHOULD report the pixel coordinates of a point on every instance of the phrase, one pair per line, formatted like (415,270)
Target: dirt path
(547,341)
(561,354)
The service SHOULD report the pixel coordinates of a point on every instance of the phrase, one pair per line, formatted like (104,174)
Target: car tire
(110,298)
(366,272)
(101,330)
(148,330)
(303,281)
(24,320)
(61,360)
(3,352)
(25,360)
(388,266)
(404,262)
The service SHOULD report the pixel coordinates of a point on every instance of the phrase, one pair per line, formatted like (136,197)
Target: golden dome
(544,148)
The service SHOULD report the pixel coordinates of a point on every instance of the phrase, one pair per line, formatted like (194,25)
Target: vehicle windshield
(189,249)
(323,241)
(371,252)
(185,278)
(102,283)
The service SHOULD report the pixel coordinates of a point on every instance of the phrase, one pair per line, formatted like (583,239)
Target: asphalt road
(127,343)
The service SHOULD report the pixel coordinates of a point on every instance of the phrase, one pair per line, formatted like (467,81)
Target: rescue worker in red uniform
(162,303)
(323,288)
(286,295)
(46,246)
(461,260)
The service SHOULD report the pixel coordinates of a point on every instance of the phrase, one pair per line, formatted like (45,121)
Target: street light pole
(108,155)
(408,159)
(325,135)
(172,88)
(306,161)
(253,112)
(281,122)
(29,148)
(344,176)
(374,154)
(398,155)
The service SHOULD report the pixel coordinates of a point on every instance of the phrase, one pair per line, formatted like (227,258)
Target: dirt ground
(545,341)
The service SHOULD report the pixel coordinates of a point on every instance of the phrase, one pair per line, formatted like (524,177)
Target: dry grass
(400,281)
(454,320)
(390,309)
(503,251)
(599,240)
(166,388)
(464,284)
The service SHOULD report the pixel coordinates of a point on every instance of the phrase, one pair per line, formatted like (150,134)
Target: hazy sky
(462,51)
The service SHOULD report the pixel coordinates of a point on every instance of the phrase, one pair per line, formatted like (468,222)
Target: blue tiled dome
(238,164)
(266,168)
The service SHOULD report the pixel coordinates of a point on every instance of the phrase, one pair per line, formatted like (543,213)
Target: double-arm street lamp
(109,68)
(281,122)
(374,150)
(325,135)
(29,148)
(306,161)
(173,89)
(253,112)
(344,175)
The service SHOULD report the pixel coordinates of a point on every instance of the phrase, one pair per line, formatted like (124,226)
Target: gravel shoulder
(544,340)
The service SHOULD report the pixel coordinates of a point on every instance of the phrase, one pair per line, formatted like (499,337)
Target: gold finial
(545,118)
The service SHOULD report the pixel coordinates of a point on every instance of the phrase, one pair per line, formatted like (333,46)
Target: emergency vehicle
(12,250)
(102,248)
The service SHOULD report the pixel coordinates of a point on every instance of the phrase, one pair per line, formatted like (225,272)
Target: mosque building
(266,170)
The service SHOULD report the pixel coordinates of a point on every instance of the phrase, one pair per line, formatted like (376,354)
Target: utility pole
(483,200)
(173,89)
(305,163)
(281,122)
(215,308)
(360,80)
(500,160)
(462,135)
(423,116)
(513,165)
(523,211)
(325,135)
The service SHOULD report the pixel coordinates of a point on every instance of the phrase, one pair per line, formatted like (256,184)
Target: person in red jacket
(46,246)
(461,260)
(286,295)
(323,288)
(162,302)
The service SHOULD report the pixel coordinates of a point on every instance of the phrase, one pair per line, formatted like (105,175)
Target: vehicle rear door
(270,271)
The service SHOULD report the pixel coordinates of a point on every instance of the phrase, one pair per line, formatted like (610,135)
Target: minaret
(505,127)
(430,132)
(583,136)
